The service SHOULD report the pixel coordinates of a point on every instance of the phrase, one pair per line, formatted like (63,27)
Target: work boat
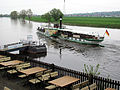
(71,35)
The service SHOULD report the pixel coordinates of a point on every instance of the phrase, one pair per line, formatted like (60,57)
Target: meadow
(105,22)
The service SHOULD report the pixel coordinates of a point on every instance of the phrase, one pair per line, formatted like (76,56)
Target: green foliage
(29,13)
(1,15)
(14,14)
(53,15)
(23,14)
(91,70)
(47,16)
(56,13)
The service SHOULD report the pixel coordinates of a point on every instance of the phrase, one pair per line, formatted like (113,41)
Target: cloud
(71,6)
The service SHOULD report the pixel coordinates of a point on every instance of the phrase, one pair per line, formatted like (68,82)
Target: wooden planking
(64,81)
(32,70)
(10,63)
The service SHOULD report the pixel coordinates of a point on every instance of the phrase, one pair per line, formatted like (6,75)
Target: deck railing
(101,82)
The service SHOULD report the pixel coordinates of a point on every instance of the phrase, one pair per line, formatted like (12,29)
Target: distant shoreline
(103,22)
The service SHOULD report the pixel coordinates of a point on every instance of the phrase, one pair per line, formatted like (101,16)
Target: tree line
(54,14)
(22,14)
(97,14)
(4,15)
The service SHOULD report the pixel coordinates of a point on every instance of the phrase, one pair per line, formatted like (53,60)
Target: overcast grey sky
(71,6)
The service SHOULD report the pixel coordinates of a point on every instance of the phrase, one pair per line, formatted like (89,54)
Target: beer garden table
(1,56)
(110,89)
(64,81)
(32,70)
(11,63)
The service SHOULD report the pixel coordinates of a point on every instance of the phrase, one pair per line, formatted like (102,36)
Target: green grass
(37,19)
(106,22)
(109,22)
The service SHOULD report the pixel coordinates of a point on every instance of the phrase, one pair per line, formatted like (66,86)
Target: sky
(71,6)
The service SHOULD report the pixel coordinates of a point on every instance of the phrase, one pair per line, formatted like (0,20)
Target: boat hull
(82,41)
(35,49)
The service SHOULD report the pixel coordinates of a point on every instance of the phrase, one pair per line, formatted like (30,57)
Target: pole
(64,8)
(60,22)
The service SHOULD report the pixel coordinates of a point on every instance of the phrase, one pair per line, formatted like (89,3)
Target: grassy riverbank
(107,22)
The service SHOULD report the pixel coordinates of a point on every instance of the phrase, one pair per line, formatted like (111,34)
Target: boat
(37,49)
(32,47)
(58,32)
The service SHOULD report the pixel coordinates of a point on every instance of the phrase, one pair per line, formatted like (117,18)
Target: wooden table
(64,81)
(110,89)
(1,56)
(32,70)
(10,63)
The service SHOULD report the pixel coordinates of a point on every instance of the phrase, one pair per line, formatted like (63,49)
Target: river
(108,57)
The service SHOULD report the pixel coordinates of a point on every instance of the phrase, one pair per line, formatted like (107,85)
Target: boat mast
(64,8)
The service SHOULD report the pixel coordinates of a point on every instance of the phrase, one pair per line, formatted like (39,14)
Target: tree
(47,16)
(1,15)
(56,13)
(14,14)
(23,14)
(29,13)
(91,70)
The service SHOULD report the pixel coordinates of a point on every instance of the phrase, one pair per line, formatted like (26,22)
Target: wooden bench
(43,77)
(53,74)
(19,68)
(39,79)
(90,87)
(5,59)
(6,88)
(77,86)
(35,80)
(48,71)
(51,87)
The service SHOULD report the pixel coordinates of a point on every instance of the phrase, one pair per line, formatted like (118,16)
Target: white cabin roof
(75,31)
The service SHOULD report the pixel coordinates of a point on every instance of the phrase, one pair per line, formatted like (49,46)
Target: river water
(74,58)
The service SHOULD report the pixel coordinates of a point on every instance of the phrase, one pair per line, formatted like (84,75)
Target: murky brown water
(74,58)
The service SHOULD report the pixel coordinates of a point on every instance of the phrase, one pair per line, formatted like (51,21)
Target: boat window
(73,38)
(70,38)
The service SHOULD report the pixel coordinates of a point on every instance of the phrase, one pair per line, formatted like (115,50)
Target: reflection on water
(14,21)
(67,54)
(32,56)
(26,24)
(22,23)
